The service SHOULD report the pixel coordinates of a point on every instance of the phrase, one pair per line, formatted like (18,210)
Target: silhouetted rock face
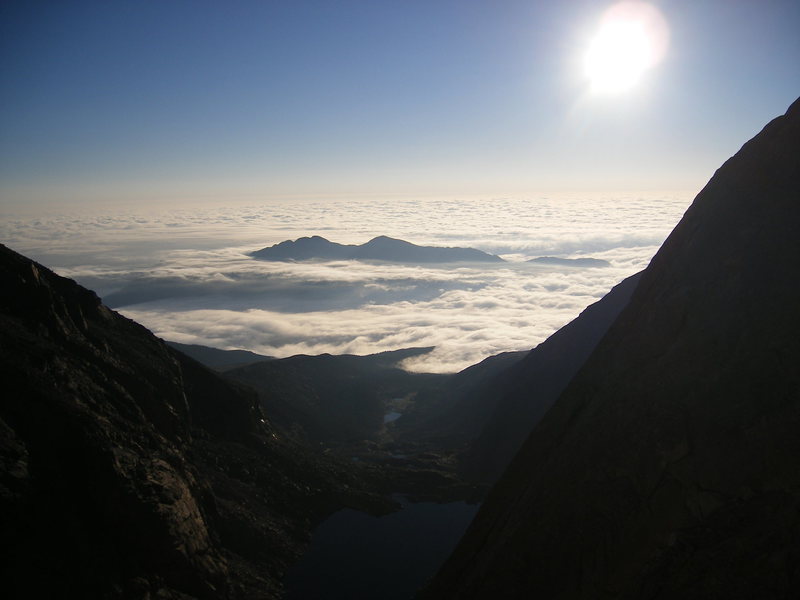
(128,469)
(489,408)
(669,466)
(381,248)
(528,388)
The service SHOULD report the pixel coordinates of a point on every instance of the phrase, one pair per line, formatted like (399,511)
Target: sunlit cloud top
(187,273)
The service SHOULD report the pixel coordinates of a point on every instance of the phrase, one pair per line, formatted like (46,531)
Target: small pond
(391,416)
(356,556)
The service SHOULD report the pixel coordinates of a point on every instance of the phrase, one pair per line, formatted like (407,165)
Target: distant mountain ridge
(333,398)
(570,262)
(219,360)
(381,248)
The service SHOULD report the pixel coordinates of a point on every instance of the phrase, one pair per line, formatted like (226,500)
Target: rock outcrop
(131,471)
(669,466)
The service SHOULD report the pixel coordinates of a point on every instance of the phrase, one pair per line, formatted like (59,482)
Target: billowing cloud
(186,273)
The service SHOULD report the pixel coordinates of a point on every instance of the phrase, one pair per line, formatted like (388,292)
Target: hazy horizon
(145,148)
(186,274)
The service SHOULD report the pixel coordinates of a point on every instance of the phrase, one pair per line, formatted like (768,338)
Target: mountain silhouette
(488,409)
(454,411)
(333,398)
(131,471)
(668,468)
(381,248)
(570,262)
(525,391)
(219,360)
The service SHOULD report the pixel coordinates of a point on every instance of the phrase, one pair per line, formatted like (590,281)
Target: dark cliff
(528,388)
(131,471)
(668,468)
(488,409)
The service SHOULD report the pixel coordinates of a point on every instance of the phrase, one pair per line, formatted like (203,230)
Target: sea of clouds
(185,272)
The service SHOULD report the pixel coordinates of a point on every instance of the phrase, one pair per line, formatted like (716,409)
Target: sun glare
(631,38)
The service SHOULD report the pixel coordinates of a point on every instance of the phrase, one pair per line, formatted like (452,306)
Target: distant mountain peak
(385,240)
(570,262)
(381,248)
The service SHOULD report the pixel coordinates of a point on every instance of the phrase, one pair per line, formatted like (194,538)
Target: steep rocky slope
(528,389)
(669,466)
(131,471)
(454,411)
(486,411)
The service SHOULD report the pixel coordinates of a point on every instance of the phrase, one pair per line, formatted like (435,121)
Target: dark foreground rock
(669,466)
(484,413)
(527,389)
(131,471)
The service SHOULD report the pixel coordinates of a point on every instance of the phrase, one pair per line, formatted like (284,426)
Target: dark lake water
(356,556)
(391,416)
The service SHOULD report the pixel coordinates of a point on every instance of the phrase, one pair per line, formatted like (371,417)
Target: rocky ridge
(526,390)
(131,471)
(668,467)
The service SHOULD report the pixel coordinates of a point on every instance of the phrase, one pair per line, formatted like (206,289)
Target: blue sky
(152,101)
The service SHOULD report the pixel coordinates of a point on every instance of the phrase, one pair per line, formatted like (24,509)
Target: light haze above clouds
(130,101)
(185,273)
(147,147)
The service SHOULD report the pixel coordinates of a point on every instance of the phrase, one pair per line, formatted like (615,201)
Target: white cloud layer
(185,273)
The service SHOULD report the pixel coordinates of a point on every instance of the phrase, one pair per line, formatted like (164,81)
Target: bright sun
(632,37)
